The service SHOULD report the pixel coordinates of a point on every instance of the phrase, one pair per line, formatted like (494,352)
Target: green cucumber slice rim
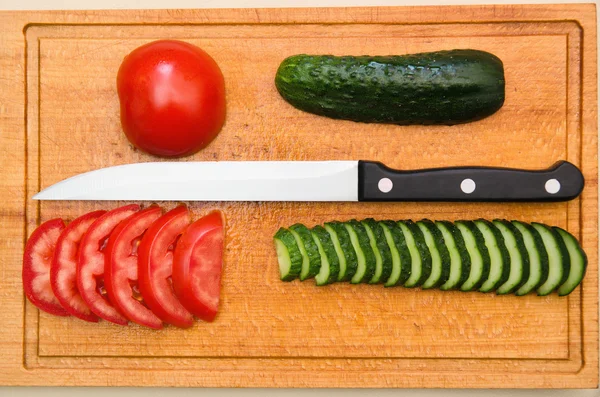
(437,273)
(538,258)
(378,260)
(338,250)
(578,263)
(477,272)
(417,263)
(397,245)
(459,258)
(289,256)
(311,262)
(558,259)
(499,256)
(365,258)
(329,260)
(516,260)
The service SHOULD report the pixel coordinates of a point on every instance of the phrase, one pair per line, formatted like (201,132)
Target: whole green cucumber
(443,87)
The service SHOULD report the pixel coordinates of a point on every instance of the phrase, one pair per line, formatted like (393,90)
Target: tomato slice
(90,265)
(37,259)
(155,266)
(121,267)
(197,265)
(63,273)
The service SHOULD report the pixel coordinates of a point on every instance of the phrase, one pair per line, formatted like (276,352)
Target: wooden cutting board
(59,116)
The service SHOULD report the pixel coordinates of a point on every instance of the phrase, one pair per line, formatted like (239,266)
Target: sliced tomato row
(127,264)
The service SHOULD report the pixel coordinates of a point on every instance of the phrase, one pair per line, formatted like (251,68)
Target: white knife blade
(213,181)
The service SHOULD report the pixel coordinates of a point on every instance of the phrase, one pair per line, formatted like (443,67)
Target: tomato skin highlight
(37,260)
(63,272)
(172,97)
(197,266)
(155,266)
(90,265)
(121,267)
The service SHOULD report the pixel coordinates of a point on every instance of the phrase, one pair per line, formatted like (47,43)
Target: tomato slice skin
(63,272)
(37,260)
(155,266)
(197,265)
(90,264)
(121,267)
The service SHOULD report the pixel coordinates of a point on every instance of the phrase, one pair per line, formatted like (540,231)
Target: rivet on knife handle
(376,182)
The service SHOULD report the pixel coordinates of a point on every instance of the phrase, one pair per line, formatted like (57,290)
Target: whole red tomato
(172,98)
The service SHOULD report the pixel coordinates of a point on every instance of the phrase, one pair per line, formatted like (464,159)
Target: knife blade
(315,181)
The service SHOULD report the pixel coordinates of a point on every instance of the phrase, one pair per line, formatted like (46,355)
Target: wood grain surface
(59,116)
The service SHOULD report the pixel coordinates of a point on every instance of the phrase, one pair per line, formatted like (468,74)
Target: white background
(146,392)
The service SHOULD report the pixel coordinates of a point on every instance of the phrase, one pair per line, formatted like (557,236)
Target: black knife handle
(376,182)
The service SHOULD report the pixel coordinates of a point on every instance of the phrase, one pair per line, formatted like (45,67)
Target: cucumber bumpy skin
(443,87)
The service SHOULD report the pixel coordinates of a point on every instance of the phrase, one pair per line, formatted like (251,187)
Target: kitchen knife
(315,181)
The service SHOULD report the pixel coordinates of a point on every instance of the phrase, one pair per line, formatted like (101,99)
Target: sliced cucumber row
(480,255)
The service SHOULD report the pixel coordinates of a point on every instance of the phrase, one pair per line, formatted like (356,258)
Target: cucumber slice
(460,261)
(288,255)
(499,256)
(578,261)
(401,259)
(330,264)
(538,258)
(364,253)
(383,255)
(519,258)
(440,257)
(311,259)
(559,261)
(419,252)
(343,247)
(478,252)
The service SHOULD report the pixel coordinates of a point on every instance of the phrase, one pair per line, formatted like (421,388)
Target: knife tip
(39,196)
